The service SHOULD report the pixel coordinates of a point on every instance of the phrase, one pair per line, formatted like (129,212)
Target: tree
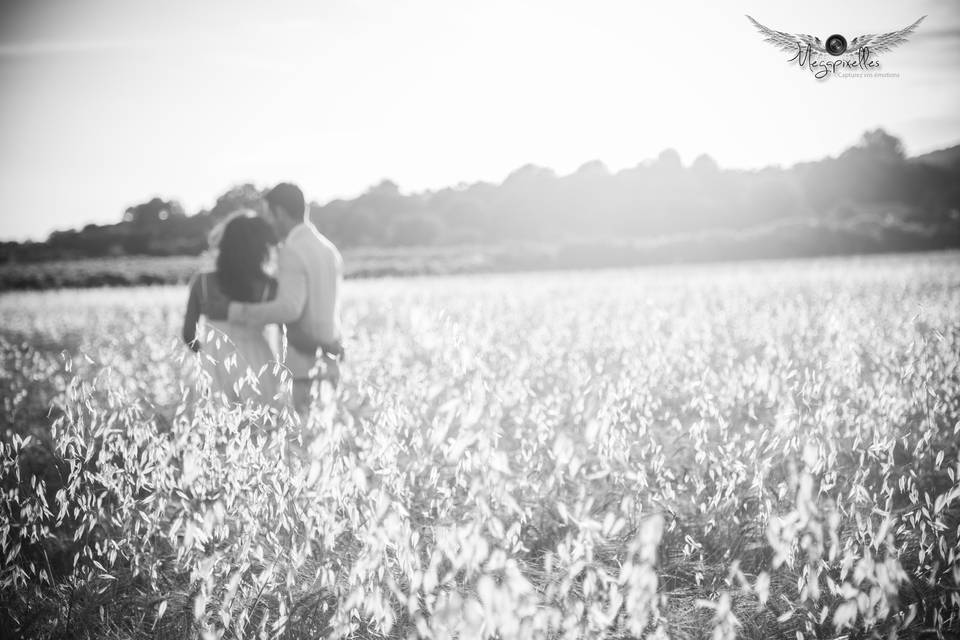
(882,146)
(669,159)
(243,196)
(415,230)
(704,165)
(592,170)
(152,213)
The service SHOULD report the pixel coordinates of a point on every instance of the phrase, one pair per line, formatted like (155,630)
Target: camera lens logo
(836,45)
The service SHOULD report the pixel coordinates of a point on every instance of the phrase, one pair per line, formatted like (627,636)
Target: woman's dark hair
(244,248)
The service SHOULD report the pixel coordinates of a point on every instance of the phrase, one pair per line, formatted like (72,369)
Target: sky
(104,105)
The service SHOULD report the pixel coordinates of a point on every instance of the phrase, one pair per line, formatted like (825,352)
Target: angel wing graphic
(873,42)
(789,41)
(882,42)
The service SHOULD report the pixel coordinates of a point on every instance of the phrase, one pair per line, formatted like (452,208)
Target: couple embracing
(240,301)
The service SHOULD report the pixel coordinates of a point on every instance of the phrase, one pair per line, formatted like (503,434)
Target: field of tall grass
(746,450)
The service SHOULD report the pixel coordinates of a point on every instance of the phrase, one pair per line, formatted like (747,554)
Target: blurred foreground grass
(756,450)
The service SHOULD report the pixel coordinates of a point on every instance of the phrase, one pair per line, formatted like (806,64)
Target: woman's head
(243,249)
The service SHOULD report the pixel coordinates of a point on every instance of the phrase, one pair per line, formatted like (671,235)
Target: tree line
(871,182)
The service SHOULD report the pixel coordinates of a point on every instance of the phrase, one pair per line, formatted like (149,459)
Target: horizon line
(466,184)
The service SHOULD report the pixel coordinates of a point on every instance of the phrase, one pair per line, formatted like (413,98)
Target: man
(309,280)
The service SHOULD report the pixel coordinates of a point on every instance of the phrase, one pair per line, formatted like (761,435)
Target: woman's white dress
(241,363)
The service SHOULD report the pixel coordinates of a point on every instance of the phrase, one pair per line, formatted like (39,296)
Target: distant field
(152,270)
(760,450)
(792,238)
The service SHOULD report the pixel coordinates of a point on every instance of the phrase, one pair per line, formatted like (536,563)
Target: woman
(243,249)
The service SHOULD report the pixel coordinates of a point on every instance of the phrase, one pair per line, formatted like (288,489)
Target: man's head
(285,208)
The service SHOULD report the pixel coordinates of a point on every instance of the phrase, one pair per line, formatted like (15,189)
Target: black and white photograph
(489,320)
